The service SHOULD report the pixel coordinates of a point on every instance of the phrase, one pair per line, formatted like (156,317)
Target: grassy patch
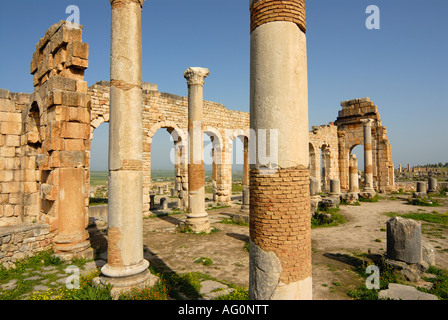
(375,198)
(426,202)
(423,216)
(329,217)
(234,222)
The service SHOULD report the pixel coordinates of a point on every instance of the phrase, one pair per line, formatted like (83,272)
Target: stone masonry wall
(324,141)
(169,111)
(14,180)
(23,240)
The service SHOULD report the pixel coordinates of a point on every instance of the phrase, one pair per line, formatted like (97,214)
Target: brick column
(280,219)
(197,217)
(368,159)
(125,266)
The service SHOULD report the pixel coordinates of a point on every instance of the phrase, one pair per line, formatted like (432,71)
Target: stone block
(75,130)
(12,141)
(4,94)
(78,49)
(14,128)
(72,159)
(61,83)
(63,36)
(404,240)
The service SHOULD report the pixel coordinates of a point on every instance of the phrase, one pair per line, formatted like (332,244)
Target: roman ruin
(46,135)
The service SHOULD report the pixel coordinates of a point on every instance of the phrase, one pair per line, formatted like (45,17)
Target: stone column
(246,169)
(280,218)
(335,187)
(368,159)
(197,217)
(432,184)
(353,193)
(125,266)
(354,176)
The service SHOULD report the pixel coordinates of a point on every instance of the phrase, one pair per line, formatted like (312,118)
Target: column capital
(367,122)
(120,3)
(196,75)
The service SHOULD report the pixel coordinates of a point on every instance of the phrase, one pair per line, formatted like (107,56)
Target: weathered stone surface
(403,292)
(265,269)
(404,240)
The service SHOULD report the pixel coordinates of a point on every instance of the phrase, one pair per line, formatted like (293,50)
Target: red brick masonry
(264,11)
(280,219)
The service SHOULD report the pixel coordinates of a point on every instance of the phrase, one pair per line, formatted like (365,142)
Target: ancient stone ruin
(45,143)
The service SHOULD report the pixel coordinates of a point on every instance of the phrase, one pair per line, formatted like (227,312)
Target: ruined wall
(168,111)
(350,134)
(324,142)
(16,173)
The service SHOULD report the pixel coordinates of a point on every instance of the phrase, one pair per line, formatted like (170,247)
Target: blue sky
(402,67)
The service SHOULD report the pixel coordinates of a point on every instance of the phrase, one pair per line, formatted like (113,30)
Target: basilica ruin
(45,143)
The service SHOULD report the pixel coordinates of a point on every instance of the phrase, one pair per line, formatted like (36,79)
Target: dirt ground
(334,248)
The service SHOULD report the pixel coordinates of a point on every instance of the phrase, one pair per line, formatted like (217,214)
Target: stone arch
(244,136)
(180,154)
(351,133)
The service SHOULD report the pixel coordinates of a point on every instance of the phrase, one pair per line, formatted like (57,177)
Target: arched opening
(325,167)
(33,127)
(358,150)
(99,175)
(163,193)
(237,169)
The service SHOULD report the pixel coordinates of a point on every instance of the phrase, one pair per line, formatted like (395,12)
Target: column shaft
(197,217)
(279,189)
(126,265)
(368,157)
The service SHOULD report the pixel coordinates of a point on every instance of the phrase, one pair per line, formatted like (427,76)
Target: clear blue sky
(402,67)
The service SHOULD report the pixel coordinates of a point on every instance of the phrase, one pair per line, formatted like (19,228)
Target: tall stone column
(368,159)
(125,266)
(197,217)
(280,218)
(246,169)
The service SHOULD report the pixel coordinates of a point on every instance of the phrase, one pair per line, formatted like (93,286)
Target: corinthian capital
(196,75)
(367,122)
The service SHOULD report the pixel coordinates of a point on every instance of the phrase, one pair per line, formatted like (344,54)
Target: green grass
(234,222)
(98,178)
(204,261)
(423,216)
(30,266)
(426,202)
(327,218)
(373,199)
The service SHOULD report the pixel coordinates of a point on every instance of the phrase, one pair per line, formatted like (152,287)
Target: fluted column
(368,157)
(280,227)
(125,266)
(197,217)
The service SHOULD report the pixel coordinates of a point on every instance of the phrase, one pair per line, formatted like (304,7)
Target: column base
(351,197)
(125,284)
(245,208)
(367,193)
(199,224)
